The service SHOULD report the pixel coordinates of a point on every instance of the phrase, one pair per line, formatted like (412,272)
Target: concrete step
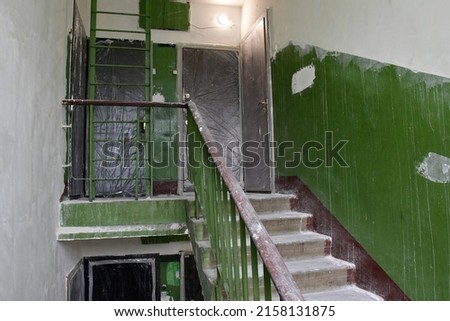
(275,224)
(299,246)
(314,276)
(271,203)
(342,293)
(286,222)
(321,274)
(208,259)
(304,245)
(345,293)
(198,229)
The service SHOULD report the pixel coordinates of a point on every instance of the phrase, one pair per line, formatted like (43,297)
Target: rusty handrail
(281,277)
(121,103)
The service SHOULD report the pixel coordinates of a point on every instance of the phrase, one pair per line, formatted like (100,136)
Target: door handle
(263,104)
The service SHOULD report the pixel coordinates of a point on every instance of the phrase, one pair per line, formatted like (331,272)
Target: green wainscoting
(153,219)
(392,119)
(123,212)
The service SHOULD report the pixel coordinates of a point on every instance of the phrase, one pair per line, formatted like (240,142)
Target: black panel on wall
(124,278)
(193,288)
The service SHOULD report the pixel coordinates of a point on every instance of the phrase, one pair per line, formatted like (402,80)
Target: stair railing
(91,177)
(230,219)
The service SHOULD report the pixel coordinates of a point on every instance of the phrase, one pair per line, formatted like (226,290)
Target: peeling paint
(158,98)
(435,168)
(381,107)
(303,79)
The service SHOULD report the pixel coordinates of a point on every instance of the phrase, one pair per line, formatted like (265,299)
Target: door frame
(264,16)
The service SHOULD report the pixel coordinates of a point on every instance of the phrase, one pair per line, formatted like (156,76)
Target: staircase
(307,254)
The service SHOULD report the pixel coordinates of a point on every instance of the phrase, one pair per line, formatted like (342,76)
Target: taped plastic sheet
(78,116)
(211,78)
(119,140)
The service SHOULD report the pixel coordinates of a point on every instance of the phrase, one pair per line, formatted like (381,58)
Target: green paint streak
(117,213)
(166,14)
(165,120)
(392,118)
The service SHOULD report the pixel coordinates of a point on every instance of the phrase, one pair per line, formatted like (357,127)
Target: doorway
(211,79)
(256,110)
(146,277)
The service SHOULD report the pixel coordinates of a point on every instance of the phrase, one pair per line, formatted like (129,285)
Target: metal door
(255,107)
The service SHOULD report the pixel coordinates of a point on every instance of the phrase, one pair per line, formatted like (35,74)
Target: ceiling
(236,3)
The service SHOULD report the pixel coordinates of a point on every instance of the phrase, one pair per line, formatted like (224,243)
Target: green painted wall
(392,118)
(165,124)
(121,213)
(166,14)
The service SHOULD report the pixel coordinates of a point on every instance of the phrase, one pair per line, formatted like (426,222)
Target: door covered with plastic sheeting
(211,79)
(255,111)
(119,158)
(134,148)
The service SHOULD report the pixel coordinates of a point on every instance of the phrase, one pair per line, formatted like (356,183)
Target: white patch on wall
(435,168)
(303,79)
(158,98)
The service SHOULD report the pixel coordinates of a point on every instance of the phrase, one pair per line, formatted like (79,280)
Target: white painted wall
(32,151)
(204,30)
(204,27)
(84,7)
(413,34)
(128,247)
(32,144)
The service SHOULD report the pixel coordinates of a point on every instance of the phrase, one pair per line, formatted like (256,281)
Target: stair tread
(282,215)
(265,196)
(327,263)
(345,293)
(317,264)
(300,237)
(270,203)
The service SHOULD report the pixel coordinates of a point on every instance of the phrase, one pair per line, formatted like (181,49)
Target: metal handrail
(121,103)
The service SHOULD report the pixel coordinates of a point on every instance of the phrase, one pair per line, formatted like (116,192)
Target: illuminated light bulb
(223,20)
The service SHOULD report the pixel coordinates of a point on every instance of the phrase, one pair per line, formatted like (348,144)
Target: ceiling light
(223,20)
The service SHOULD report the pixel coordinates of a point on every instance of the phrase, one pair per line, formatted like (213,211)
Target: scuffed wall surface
(204,28)
(396,124)
(32,84)
(409,33)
